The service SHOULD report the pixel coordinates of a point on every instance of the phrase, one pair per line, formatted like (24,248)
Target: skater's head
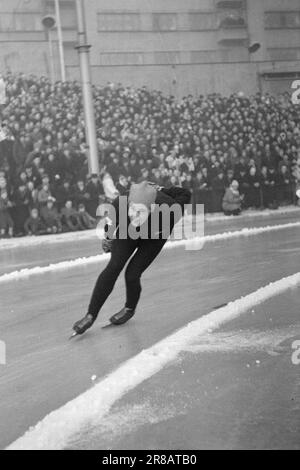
(141,197)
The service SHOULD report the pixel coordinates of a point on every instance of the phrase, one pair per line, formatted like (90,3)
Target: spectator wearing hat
(50,217)
(86,220)
(34,224)
(122,185)
(70,218)
(232,201)
(79,193)
(218,191)
(22,199)
(285,186)
(253,194)
(6,222)
(95,189)
(63,193)
(44,194)
(273,188)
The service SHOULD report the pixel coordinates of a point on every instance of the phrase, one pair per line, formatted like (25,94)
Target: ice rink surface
(236,388)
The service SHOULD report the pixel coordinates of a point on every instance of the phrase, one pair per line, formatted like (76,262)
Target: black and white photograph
(149,228)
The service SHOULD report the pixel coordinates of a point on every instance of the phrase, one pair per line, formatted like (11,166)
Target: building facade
(179,47)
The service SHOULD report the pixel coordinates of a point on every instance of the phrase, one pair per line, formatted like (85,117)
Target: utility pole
(83,51)
(60,42)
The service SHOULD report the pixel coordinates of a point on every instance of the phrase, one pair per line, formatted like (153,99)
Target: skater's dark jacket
(167,196)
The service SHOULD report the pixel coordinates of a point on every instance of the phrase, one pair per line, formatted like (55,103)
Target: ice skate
(81,326)
(122,317)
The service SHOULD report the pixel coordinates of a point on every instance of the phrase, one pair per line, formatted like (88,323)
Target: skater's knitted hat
(142,193)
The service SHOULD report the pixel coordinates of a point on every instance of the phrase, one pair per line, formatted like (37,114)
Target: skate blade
(73,335)
(107,325)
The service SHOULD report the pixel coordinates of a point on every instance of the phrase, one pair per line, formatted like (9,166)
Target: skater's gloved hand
(106,245)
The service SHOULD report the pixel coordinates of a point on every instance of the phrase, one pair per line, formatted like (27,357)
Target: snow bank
(27,272)
(191,244)
(219,217)
(27,242)
(57,428)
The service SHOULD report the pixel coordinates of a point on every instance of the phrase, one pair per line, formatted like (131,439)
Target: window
(71,54)
(119,22)
(122,58)
(164,21)
(237,54)
(202,21)
(224,55)
(168,57)
(284,54)
(20,22)
(235,20)
(280,19)
(28,22)
(68,17)
(7,22)
(234,42)
(200,57)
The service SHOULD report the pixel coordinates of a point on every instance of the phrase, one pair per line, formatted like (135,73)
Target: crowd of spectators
(204,143)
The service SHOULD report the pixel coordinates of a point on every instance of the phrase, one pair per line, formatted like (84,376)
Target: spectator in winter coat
(134,169)
(232,201)
(6,222)
(273,186)
(70,218)
(43,195)
(86,220)
(95,189)
(62,194)
(265,186)
(284,185)
(253,193)
(122,185)
(32,175)
(205,190)
(34,224)
(50,217)
(242,179)
(218,190)
(20,211)
(53,166)
(229,177)
(79,193)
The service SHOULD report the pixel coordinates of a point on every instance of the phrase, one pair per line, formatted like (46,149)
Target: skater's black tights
(145,252)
